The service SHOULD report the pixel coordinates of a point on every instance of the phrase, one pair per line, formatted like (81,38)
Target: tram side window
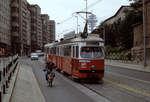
(77,51)
(45,50)
(48,50)
(67,51)
(57,51)
(53,50)
(61,51)
(73,51)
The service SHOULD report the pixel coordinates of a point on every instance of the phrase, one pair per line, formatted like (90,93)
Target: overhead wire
(93,4)
(89,6)
(66,20)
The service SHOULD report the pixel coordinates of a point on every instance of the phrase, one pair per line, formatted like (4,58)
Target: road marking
(129,77)
(128,88)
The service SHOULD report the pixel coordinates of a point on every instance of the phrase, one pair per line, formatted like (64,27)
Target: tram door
(75,52)
(60,57)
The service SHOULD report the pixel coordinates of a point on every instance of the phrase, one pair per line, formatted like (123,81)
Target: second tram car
(78,57)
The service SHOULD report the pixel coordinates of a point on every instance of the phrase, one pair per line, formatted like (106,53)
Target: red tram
(78,57)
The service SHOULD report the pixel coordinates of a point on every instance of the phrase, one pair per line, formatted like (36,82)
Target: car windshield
(91,52)
(33,54)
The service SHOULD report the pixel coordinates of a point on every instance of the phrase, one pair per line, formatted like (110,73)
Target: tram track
(84,85)
(97,92)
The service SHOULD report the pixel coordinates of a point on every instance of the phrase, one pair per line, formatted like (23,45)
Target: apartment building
(28,14)
(22,27)
(5,25)
(20,18)
(52,30)
(36,27)
(45,28)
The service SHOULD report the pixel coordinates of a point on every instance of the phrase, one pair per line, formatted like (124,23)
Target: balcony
(15,24)
(15,34)
(33,31)
(15,4)
(15,14)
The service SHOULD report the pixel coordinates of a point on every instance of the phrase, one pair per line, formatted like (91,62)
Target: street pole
(86,9)
(144,32)
(86,17)
(104,35)
(77,23)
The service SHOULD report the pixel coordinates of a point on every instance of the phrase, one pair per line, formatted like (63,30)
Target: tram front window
(91,52)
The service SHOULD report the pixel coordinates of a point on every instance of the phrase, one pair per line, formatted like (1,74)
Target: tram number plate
(84,61)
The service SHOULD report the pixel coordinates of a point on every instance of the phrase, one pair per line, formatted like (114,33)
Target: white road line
(129,77)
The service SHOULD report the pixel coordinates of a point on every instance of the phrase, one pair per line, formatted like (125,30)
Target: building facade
(28,14)
(111,29)
(138,44)
(36,27)
(52,31)
(20,19)
(45,28)
(5,25)
(119,15)
(22,27)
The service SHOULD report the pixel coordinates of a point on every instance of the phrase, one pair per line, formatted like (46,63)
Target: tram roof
(90,37)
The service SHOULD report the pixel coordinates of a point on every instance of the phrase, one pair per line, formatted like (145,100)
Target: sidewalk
(128,66)
(26,87)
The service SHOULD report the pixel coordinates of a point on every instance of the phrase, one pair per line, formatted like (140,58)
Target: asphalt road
(124,85)
(64,89)
(120,85)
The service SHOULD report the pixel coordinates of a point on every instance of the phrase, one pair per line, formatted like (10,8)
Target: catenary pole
(144,32)
(86,16)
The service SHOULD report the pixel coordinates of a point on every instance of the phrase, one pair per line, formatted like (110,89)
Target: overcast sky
(60,10)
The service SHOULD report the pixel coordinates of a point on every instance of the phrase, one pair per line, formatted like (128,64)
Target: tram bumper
(91,74)
(92,71)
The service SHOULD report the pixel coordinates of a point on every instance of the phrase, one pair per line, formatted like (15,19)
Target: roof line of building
(116,13)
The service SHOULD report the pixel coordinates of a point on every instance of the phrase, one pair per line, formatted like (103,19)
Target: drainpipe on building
(144,32)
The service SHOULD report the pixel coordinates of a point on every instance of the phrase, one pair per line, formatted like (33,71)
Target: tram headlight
(93,67)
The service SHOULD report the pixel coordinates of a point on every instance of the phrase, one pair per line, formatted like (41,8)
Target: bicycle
(50,79)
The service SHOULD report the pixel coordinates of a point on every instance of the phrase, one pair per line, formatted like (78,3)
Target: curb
(10,90)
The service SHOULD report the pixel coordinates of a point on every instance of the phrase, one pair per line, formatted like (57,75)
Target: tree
(120,33)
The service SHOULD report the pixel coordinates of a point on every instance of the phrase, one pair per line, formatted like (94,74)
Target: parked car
(34,56)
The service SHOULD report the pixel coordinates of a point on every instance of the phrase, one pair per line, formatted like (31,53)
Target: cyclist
(49,69)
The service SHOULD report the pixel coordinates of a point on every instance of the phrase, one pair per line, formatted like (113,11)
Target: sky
(63,12)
